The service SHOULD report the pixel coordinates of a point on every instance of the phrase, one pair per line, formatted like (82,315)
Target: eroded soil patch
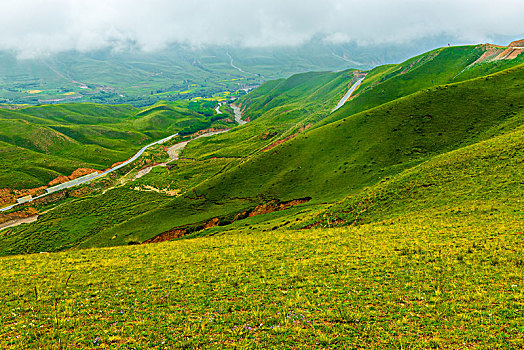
(261,209)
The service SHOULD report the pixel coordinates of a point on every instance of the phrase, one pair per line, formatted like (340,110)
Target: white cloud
(35,27)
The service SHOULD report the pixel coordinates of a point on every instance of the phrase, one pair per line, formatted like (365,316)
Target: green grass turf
(430,185)
(427,280)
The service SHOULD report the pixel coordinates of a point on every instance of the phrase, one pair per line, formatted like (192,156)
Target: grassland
(420,281)
(41,143)
(276,110)
(412,238)
(434,68)
(484,177)
(231,173)
(343,158)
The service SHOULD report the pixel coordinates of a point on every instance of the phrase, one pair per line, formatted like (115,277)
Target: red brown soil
(508,53)
(8,196)
(205,131)
(212,223)
(491,52)
(270,207)
(279,142)
(517,43)
(27,212)
(514,54)
(240,216)
(497,53)
(261,209)
(167,236)
(115,164)
(313,225)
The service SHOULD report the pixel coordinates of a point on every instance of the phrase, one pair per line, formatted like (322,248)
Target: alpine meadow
(250,175)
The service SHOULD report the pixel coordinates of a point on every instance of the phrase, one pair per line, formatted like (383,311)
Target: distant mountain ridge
(177,72)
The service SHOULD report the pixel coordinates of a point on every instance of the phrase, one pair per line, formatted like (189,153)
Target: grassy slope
(436,261)
(327,163)
(438,67)
(418,282)
(40,143)
(276,109)
(425,274)
(342,158)
(483,178)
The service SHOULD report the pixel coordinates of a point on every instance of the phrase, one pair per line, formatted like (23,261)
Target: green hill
(342,158)
(276,110)
(40,143)
(422,170)
(438,67)
(325,163)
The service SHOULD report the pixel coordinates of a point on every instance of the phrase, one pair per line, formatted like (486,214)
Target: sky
(32,28)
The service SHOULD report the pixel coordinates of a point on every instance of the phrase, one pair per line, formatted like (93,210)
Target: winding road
(218,108)
(176,149)
(349,93)
(238,115)
(233,65)
(130,160)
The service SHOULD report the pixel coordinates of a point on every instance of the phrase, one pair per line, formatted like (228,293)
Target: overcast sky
(34,27)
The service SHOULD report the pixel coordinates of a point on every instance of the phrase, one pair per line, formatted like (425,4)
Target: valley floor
(444,281)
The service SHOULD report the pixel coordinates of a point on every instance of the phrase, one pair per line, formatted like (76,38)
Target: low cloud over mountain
(32,28)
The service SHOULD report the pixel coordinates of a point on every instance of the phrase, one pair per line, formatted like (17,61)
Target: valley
(379,207)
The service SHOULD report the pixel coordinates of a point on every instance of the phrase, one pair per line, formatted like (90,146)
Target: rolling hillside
(277,110)
(394,222)
(259,167)
(342,158)
(41,143)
